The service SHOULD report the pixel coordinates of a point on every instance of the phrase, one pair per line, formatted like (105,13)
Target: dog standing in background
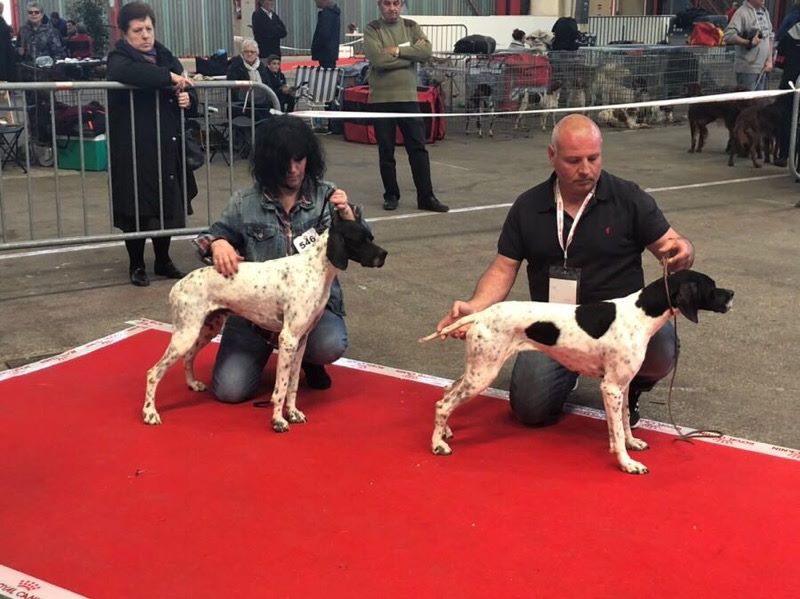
(480,102)
(530,98)
(756,130)
(701,115)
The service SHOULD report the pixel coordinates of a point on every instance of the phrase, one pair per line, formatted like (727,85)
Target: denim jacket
(259,230)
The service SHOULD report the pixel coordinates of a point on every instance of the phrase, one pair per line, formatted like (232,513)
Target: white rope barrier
(308,50)
(726,97)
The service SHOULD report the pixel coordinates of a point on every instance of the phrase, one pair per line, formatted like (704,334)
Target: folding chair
(318,88)
(10,131)
(250,116)
(215,101)
(9,145)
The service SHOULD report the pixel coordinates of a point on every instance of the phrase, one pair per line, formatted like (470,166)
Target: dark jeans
(414,140)
(540,385)
(245,349)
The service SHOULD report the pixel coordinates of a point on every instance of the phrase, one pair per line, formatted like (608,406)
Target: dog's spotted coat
(287,295)
(605,340)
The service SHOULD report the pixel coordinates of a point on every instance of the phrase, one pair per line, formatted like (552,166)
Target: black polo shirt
(616,226)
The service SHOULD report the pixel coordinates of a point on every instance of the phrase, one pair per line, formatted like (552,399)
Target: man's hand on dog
(459,310)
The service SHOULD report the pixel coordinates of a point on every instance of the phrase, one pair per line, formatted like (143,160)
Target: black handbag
(195,155)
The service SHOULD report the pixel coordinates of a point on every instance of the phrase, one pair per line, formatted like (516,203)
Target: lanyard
(560,220)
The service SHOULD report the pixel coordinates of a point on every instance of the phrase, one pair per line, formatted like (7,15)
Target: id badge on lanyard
(565,280)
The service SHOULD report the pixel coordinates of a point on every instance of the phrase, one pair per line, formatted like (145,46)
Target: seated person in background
(80,45)
(247,66)
(517,39)
(276,80)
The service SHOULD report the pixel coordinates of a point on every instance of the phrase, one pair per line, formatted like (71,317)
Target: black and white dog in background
(605,340)
(480,102)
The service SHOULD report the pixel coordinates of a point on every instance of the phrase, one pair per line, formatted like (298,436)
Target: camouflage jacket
(43,41)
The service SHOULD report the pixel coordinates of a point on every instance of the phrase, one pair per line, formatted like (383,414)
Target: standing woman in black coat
(141,61)
(268,29)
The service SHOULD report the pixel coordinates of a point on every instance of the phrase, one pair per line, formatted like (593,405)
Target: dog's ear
(336,251)
(686,300)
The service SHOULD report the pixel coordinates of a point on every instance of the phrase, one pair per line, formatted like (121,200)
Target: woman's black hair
(280,140)
(518,35)
(133,12)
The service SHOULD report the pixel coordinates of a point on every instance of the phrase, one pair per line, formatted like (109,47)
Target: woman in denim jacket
(262,223)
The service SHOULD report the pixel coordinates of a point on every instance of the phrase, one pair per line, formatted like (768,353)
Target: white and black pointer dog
(286,295)
(605,340)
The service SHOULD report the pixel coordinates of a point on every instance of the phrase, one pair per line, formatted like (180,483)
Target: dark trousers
(414,140)
(785,103)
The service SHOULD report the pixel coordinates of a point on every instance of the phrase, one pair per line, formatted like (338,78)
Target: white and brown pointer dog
(605,340)
(286,295)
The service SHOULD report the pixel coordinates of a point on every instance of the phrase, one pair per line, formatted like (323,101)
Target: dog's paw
(633,467)
(197,386)
(441,448)
(448,432)
(151,417)
(295,416)
(636,444)
(280,426)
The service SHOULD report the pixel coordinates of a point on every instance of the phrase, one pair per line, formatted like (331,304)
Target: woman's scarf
(252,70)
(150,56)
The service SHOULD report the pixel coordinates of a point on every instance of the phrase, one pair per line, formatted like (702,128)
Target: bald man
(582,233)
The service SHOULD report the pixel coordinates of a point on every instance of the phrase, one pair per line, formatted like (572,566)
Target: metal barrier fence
(590,76)
(41,205)
(794,149)
(444,37)
(641,30)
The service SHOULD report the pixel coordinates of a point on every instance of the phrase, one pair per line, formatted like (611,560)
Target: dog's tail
(468,319)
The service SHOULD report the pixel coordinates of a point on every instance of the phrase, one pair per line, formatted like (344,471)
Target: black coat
(325,45)
(268,33)
(127,65)
(8,54)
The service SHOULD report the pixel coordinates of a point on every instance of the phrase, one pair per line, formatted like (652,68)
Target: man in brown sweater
(394,45)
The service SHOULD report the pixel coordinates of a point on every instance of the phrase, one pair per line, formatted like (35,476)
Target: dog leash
(319,228)
(689,435)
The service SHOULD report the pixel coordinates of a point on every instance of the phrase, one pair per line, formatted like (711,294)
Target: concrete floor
(736,371)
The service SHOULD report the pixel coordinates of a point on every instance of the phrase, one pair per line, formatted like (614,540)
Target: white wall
(498,27)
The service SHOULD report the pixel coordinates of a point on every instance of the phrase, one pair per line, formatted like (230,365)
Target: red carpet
(353,504)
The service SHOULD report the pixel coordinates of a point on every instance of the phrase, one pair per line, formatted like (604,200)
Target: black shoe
(780,162)
(432,204)
(316,377)
(633,406)
(139,277)
(168,270)
(390,203)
